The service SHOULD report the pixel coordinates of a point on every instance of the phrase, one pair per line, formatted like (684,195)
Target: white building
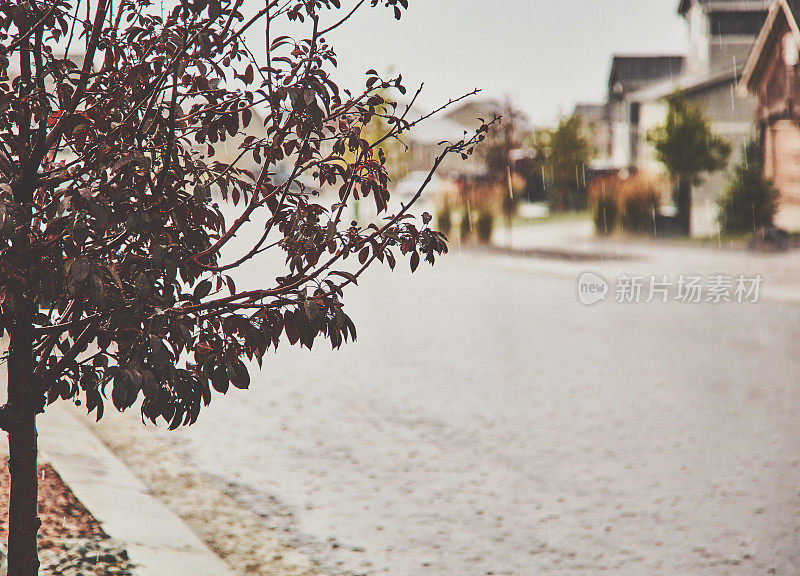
(720,36)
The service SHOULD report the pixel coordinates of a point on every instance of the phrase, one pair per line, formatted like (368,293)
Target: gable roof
(689,84)
(715,5)
(590,111)
(432,130)
(632,73)
(468,112)
(783,12)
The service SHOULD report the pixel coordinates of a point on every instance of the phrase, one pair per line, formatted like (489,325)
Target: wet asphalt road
(488,423)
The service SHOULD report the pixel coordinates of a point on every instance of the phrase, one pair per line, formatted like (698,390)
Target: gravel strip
(242,538)
(61,512)
(71,541)
(81,556)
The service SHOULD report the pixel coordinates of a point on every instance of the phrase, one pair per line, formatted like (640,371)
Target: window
(634,113)
(737,23)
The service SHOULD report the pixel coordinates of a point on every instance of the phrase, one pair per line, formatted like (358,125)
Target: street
(601,377)
(486,422)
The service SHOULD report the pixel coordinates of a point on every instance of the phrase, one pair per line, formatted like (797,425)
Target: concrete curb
(159,543)
(555,254)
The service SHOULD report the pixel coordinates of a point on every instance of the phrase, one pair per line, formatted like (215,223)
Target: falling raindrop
(655,227)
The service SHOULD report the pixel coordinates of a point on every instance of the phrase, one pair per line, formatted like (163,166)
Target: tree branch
(88,62)
(26,35)
(77,347)
(343,20)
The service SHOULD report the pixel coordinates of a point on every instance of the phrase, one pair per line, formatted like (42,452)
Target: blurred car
(437,188)
(283,171)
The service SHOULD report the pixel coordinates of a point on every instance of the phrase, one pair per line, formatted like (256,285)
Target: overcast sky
(546,54)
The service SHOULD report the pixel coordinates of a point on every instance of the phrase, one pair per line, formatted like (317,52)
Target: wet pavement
(486,422)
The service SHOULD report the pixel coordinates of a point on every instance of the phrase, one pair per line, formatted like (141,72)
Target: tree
(116,260)
(687,147)
(389,151)
(567,150)
(501,140)
(749,201)
(504,137)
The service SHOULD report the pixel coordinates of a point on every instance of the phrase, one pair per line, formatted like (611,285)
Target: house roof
(468,112)
(792,8)
(432,130)
(590,111)
(781,11)
(630,73)
(688,84)
(717,5)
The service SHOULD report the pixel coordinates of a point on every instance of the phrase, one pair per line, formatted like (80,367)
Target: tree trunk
(560,200)
(23,405)
(683,204)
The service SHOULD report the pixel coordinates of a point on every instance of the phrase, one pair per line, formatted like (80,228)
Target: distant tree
(392,149)
(115,259)
(688,148)
(389,151)
(567,150)
(501,139)
(749,201)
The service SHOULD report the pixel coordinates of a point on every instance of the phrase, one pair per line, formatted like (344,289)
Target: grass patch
(554,217)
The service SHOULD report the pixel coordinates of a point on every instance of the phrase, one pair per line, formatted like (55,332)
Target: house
(468,112)
(772,75)
(595,117)
(629,75)
(721,34)
(424,140)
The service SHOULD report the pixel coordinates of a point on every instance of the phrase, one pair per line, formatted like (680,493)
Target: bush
(606,215)
(632,204)
(444,218)
(603,195)
(509,204)
(640,200)
(484,226)
(749,201)
(481,202)
(465,226)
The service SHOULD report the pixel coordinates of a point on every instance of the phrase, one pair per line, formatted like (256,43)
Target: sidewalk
(159,543)
(570,247)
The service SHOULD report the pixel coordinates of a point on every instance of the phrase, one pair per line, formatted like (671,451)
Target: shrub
(606,215)
(640,200)
(444,218)
(749,201)
(603,199)
(465,226)
(509,204)
(632,204)
(484,226)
